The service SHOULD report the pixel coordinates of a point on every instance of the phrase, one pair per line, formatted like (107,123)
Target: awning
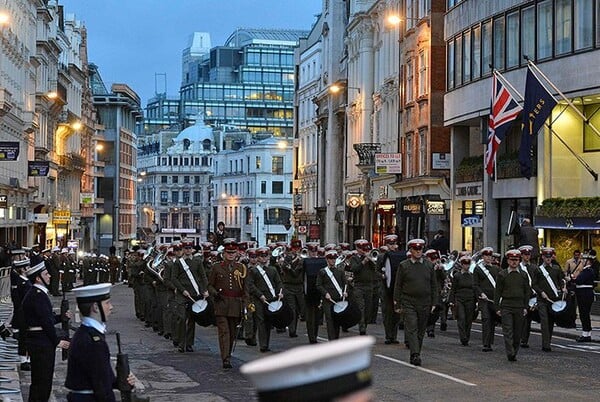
(544,222)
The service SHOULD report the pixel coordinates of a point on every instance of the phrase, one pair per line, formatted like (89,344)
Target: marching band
(246,292)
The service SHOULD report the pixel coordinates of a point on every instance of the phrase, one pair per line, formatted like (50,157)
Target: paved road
(450,371)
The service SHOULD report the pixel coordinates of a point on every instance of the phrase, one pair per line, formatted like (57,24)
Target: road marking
(446,376)
(577,348)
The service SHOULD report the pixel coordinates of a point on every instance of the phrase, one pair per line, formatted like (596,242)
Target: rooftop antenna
(163,78)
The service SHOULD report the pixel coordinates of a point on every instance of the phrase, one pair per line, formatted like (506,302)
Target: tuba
(279,251)
(373,255)
(304,253)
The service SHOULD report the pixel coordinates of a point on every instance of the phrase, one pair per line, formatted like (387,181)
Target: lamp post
(257,243)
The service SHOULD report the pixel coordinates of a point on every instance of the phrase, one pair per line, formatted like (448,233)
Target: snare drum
(346,314)
(279,314)
(203,313)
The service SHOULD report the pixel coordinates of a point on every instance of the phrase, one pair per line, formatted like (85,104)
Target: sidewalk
(10,390)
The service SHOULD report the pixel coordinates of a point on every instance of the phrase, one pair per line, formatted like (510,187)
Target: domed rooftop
(196,133)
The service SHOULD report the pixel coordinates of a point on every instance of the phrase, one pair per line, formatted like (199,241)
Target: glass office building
(247,83)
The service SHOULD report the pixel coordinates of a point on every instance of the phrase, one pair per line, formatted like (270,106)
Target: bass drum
(279,314)
(202,312)
(564,312)
(391,261)
(346,314)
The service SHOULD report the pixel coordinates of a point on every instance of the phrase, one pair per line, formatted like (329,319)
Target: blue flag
(537,107)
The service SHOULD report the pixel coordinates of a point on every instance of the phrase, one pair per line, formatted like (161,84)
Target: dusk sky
(131,40)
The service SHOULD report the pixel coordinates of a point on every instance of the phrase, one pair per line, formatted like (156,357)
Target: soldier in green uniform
(135,266)
(391,260)
(292,276)
(415,293)
(363,269)
(191,283)
(484,278)
(549,283)
(527,268)
(227,285)
(264,286)
(462,299)
(168,312)
(440,275)
(331,282)
(511,297)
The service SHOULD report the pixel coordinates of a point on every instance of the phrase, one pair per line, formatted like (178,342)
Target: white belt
(82,391)
(584,286)
(35,329)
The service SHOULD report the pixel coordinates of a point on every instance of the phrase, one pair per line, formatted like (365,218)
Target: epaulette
(96,338)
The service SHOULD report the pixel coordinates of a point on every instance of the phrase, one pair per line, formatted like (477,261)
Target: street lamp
(338,86)
(4,18)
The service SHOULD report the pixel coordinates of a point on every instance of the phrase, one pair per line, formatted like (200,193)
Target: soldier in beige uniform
(227,284)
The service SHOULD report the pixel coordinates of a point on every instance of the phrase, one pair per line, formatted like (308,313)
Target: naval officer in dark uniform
(41,338)
(90,376)
(19,286)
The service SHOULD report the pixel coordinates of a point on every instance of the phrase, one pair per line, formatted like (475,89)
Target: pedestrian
(484,279)
(584,291)
(90,376)
(549,283)
(41,337)
(228,286)
(462,299)
(440,243)
(511,298)
(528,235)
(219,234)
(332,371)
(415,293)
(391,261)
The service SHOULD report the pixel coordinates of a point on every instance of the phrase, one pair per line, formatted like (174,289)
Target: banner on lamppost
(9,150)
(388,163)
(3,201)
(38,168)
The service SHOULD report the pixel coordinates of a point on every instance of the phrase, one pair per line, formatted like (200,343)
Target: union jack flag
(503,111)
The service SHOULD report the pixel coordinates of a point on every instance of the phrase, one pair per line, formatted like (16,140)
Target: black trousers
(42,371)
(585,298)
(487,323)
(312,321)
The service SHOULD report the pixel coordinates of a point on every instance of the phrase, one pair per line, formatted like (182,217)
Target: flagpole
(585,119)
(521,99)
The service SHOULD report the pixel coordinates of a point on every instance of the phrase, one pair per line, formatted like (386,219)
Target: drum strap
(186,269)
(524,268)
(266,278)
(489,276)
(334,281)
(550,281)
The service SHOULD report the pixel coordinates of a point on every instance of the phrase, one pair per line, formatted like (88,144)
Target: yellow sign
(354,201)
(61,216)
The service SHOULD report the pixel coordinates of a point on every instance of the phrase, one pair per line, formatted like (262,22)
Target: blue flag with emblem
(537,107)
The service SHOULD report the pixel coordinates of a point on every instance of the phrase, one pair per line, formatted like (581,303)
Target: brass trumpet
(304,253)
(373,255)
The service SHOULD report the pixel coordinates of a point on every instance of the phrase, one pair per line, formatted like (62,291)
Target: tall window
(175,221)
(409,155)
(258,162)
(164,197)
(499,43)
(422,153)
(583,23)
(476,45)
(563,26)
(197,197)
(186,197)
(422,84)
(175,197)
(486,47)
(544,29)
(450,64)
(528,32)
(185,220)
(163,220)
(512,40)
(263,187)
(410,80)
(277,164)
(467,57)
(458,60)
